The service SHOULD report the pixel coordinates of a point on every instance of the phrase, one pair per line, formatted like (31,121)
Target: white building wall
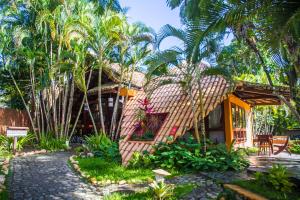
(249,128)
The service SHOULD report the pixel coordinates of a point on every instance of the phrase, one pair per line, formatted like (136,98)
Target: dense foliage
(49,51)
(101,146)
(50,143)
(275,184)
(268,29)
(187,156)
(6,143)
(295,146)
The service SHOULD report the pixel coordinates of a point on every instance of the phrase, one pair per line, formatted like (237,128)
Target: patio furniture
(281,143)
(264,144)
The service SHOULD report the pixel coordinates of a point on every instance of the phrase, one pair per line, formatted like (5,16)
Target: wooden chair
(264,144)
(281,143)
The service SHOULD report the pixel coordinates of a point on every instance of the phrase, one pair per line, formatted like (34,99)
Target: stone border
(4,169)
(22,154)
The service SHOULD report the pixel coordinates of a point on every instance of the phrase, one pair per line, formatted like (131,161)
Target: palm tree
(186,62)
(270,26)
(130,54)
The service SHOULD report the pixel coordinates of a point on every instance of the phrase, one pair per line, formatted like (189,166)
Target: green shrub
(277,178)
(161,190)
(101,146)
(186,155)
(50,143)
(139,160)
(79,150)
(295,146)
(6,143)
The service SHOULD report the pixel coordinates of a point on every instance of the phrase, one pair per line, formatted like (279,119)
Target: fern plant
(161,190)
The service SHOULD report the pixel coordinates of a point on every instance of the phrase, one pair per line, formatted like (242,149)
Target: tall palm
(186,62)
(101,33)
(137,44)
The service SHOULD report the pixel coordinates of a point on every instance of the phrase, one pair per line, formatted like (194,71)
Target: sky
(156,13)
(153,13)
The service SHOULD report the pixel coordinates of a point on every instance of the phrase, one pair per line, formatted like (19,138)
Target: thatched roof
(114,70)
(105,88)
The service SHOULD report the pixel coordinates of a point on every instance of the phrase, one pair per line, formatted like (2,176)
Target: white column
(249,129)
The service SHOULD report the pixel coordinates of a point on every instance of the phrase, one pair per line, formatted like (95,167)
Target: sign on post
(16,132)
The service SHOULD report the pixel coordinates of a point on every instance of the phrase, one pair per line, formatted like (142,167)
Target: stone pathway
(48,176)
(208,183)
(291,162)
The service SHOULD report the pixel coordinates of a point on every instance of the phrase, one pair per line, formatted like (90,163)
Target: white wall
(249,129)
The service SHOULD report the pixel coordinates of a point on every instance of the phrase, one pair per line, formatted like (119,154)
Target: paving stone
(47,176)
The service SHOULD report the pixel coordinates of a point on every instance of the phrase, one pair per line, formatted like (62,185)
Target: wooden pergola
(260,94)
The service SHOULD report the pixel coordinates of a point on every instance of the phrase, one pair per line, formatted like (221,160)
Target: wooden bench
(281,143)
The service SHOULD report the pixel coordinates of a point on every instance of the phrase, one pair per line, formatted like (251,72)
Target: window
(238,123)
(147,129)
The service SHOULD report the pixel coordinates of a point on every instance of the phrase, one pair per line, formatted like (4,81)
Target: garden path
(262,163)
(47,176)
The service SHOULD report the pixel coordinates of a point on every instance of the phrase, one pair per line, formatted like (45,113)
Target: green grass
(103,170)
(179,192)
(267,191)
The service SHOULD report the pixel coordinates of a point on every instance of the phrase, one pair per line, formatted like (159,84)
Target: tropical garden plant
(185,155)
(49,50)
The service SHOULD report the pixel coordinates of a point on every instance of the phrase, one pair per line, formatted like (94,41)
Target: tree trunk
(81,106)
(100,99)
(195,119)
(202,116)
(23,100)
(70,106)
(91,115)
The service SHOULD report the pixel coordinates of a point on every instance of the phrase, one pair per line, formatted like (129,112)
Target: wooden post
(228,116)
(228,123)
(15,145)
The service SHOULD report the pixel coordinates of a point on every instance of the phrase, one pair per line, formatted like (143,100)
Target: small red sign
(173,131)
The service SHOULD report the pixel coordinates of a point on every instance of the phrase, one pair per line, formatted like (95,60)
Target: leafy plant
(6,143)
(102,147)
(161,190)
(139,161)
(185,154)
(50,143)
(277,177)
(295,147)
(97,142)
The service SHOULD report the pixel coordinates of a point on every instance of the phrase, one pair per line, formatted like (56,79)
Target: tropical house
(110,81)
(227,109)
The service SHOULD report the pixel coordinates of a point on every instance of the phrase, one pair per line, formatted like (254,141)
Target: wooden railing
(239,134)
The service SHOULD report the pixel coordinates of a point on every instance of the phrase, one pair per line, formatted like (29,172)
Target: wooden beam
(228,123)
(233,99)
